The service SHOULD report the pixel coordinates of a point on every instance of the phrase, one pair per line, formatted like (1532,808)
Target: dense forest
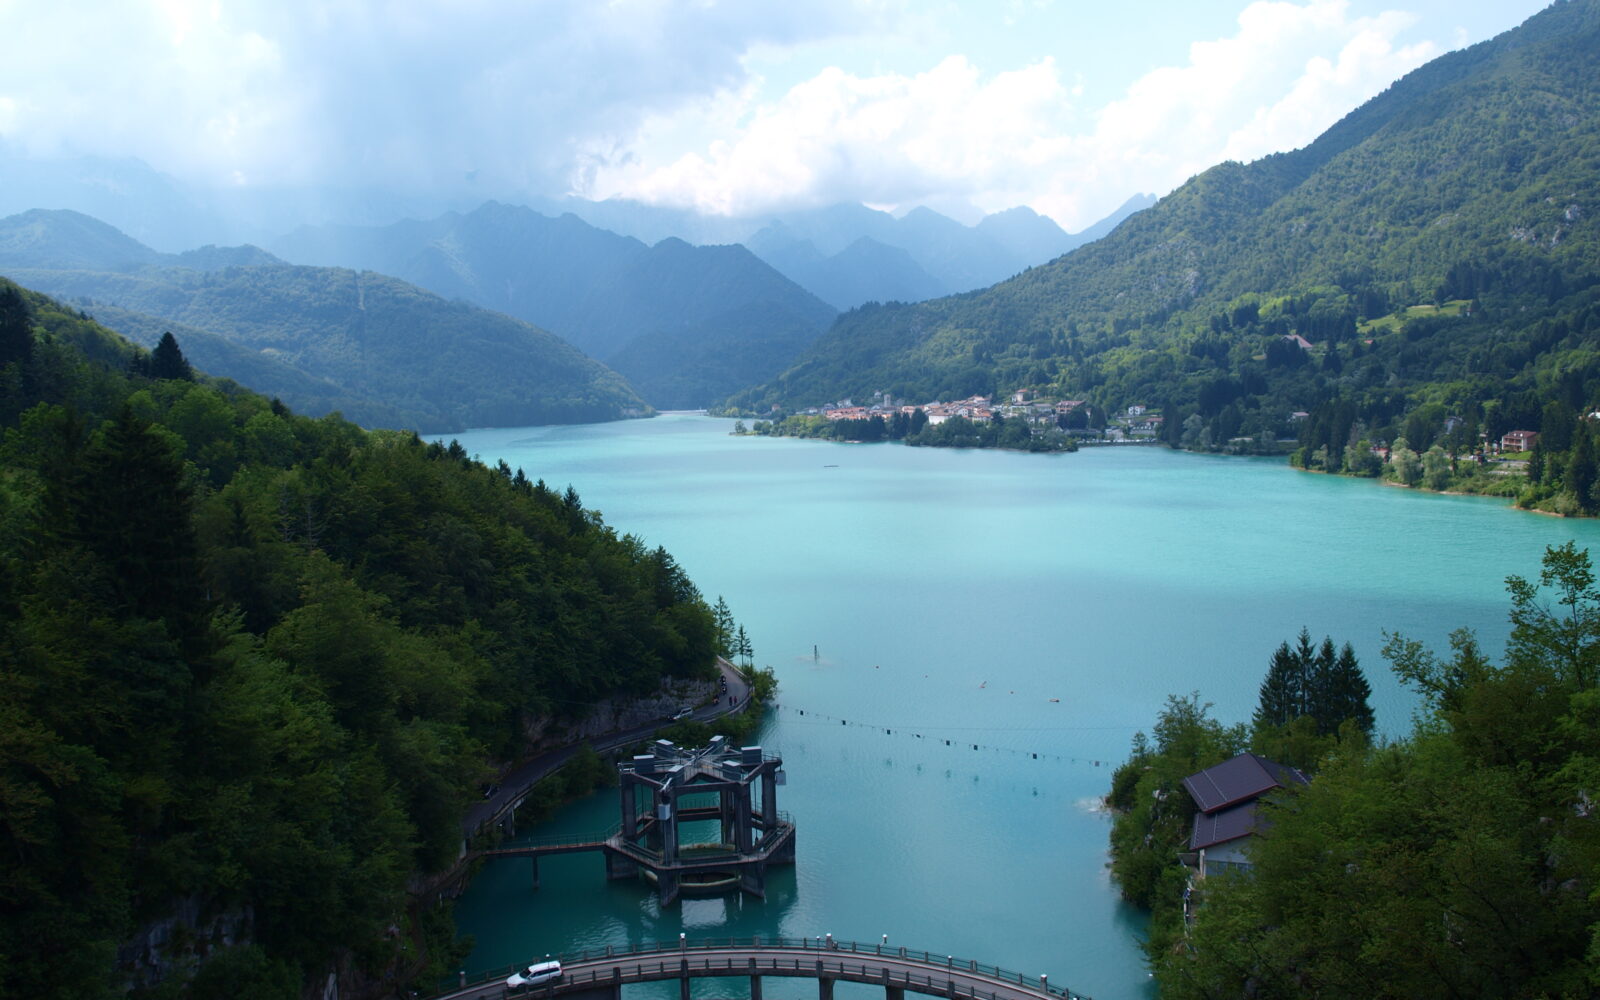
(256,664)
(1460,860)
(1429,266)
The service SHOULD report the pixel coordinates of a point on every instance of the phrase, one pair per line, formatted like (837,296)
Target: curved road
(895,969)
(515,784)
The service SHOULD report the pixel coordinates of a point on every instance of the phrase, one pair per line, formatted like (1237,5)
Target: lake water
(1029,604)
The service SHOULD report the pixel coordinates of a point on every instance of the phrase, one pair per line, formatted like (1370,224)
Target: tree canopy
(1461,860)
(256,665)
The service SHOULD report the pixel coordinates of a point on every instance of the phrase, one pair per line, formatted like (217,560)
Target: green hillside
(259,370)
(255,665)
(390,352)
(664,316)
(1471,181)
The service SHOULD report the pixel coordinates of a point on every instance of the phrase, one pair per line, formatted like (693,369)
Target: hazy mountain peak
(214,258)
(64,239)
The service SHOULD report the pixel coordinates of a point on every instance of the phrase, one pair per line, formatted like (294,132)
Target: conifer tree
(1581,469)
(1349,693)
(1320,687)
(724,623)
(1280,690)
(130,507)
(1306,680)
(168,362)
(1305,656)
(16,329)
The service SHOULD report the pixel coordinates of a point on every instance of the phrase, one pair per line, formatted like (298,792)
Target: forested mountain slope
(394,354)
(255,664)
(1437,248)
(614,297)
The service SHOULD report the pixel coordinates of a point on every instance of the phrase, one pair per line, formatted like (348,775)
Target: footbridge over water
(601,974)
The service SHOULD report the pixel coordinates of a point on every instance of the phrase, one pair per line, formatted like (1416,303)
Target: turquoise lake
(1030,604)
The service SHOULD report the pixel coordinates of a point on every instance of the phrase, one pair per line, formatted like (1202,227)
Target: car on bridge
(533,975)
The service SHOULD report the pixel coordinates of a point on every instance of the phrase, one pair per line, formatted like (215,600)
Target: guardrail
(554,840)
(825,949)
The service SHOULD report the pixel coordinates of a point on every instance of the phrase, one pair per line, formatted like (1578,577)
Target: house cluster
(975,408)
(1140,422)
(1137,422)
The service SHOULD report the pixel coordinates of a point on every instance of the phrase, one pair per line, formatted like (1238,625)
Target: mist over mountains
(940,255)
(850,254)
(725,318)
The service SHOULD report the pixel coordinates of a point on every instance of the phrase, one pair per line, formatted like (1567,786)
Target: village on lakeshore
(1135,424)
(1073,417)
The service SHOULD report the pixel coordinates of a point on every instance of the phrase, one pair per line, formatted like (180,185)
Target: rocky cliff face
(617,715)
(175,945)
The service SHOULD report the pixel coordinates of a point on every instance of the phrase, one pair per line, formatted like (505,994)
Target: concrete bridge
(601,974)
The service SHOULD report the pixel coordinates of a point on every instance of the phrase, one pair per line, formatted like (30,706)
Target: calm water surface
(1030,604)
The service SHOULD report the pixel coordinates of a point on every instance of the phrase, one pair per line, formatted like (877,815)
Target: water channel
(1040,607)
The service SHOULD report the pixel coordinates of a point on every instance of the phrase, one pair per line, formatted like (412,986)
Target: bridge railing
(828,949)
(557,841)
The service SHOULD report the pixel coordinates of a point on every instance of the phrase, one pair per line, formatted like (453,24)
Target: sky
(725,106)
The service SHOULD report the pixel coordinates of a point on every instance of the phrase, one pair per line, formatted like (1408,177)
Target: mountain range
(685,325)
(945,256)
(848,255)
(382,351)
(1436,250)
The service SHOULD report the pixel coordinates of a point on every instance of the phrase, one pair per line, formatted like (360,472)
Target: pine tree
(742,647)
(1307,680)
(1581,469)
(129,506)
(1280,690)
(1320,688)
(724,623)
(16,329)
(168,362)
(1305,656)
(1350,694)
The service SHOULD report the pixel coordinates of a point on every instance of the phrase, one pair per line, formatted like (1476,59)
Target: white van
(533,975)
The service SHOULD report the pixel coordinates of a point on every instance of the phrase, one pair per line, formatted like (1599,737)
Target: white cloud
(656,99)
(411,95)
(1015,137)
(889,138)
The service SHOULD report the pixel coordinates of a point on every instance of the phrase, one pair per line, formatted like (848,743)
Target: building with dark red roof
(1226,795)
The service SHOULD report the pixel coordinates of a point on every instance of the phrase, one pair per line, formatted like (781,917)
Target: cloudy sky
(728,106)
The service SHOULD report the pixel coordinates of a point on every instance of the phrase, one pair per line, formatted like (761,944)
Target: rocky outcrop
(546,732)
(175,945)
